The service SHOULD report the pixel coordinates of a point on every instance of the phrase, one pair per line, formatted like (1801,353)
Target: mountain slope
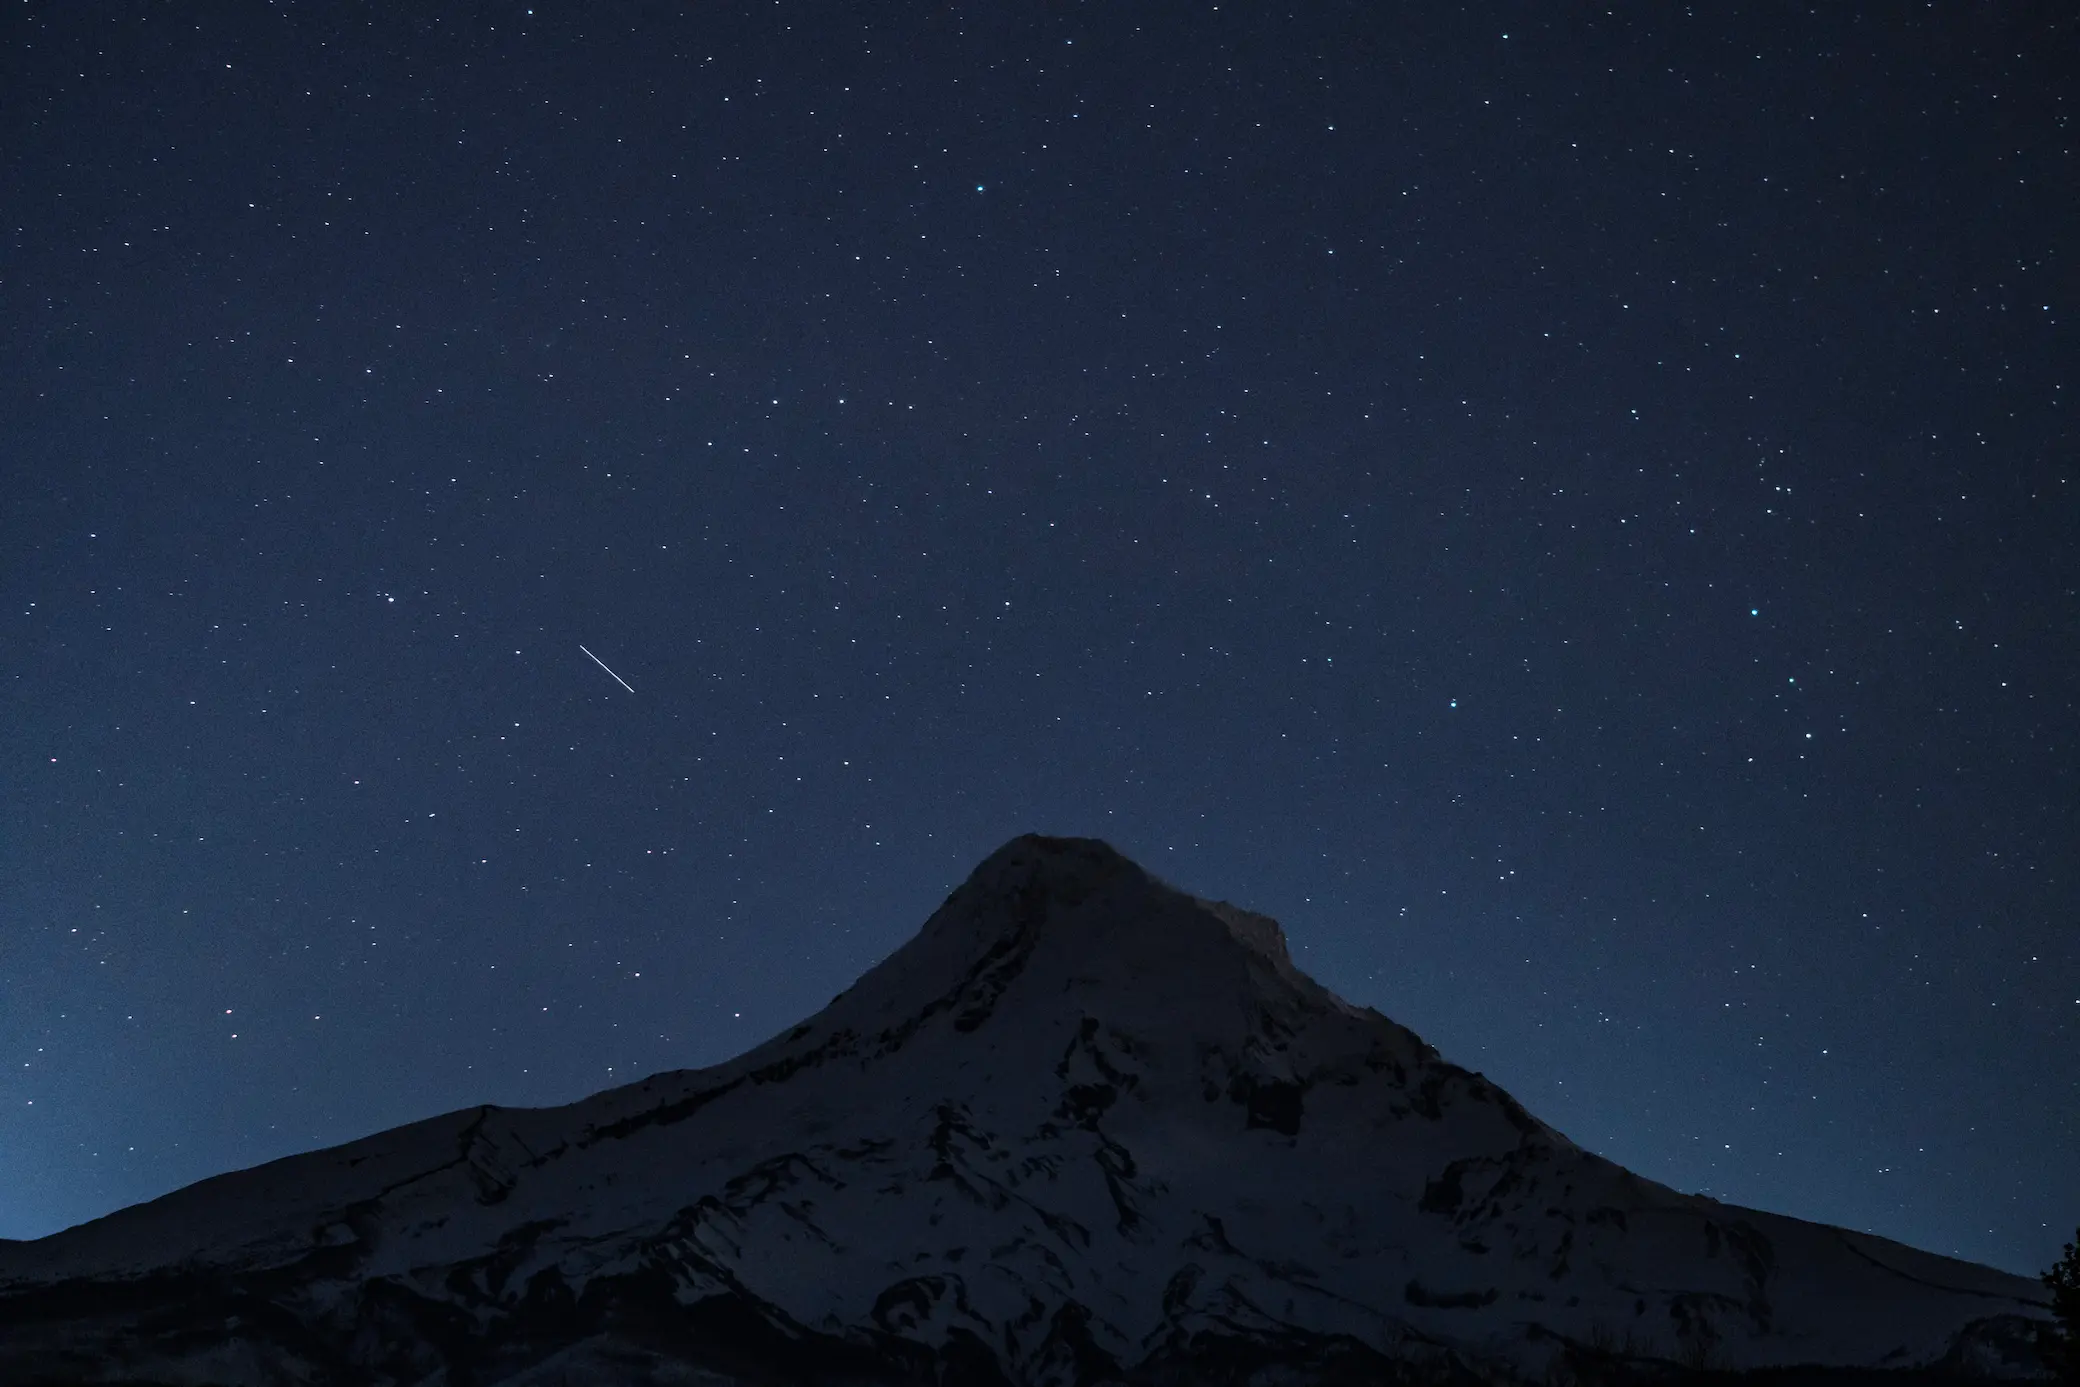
(1081,1128)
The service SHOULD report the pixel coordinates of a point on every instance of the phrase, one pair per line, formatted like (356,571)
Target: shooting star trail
(610,673)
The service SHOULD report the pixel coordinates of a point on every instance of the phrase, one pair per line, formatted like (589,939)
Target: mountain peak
(1069,866)
(1047,932)
(1089,889)
(1082,1128)
(1054,929)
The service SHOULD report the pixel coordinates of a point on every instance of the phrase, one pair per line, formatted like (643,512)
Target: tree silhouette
(2061,1340)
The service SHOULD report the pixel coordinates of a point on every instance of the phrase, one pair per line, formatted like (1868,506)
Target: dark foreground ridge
(1082,1129)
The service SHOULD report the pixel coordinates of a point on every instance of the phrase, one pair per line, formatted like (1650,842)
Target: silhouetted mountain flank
(1082,1129)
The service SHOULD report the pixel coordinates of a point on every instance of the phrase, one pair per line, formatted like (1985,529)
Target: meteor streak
(610,673)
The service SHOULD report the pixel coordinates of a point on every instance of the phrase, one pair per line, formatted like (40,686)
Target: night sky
(1573,512)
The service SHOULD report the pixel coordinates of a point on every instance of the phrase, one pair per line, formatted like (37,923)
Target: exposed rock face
(1082,1129)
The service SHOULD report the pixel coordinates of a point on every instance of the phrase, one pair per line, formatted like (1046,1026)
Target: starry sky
(1571,510)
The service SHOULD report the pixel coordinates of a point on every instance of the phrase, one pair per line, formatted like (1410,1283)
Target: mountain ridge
(1081,1125)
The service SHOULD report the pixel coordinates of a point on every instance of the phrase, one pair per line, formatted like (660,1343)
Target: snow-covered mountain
(1083,1128)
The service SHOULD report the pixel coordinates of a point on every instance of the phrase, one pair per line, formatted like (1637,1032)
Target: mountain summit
(1083,1128)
